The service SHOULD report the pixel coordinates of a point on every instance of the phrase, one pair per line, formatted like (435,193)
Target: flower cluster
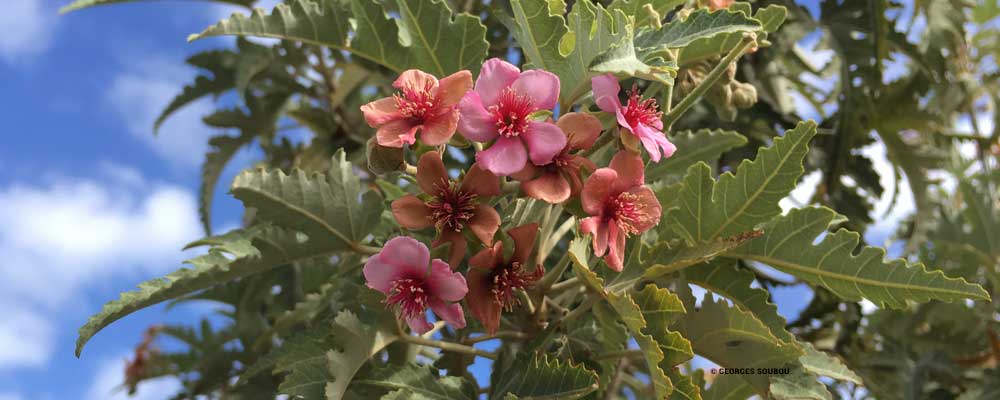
(509,114)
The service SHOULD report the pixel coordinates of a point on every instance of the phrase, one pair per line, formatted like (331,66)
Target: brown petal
(480,298)
(431,173)
(524,241)
(630,170)
(581,129)
(484,223)
(458,246)
(411,212)
(480,182)
(551,187)
(488,258)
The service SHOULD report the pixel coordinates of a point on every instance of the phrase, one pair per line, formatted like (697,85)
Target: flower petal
(544,141)
(397,132)
(480,182)
(418,324)
(524,241)
(379,275)
(581,129)
(505,157)
(488,258)
(598,228)
(495,76)
(407,254)
(596,190)
(452,314)
(654,140)
(480,299)
(438,130)
(539,85)
(616,248)
(484,223)
(476,123)
(411,212)
(444,283)
(630,170)
(452,87)
(381,111)
(458,246)
(415,80)
(606,90)
(646,199)
(431,173)
(550,187)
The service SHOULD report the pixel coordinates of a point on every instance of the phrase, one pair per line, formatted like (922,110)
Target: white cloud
(26,29)
(61,237)
(141,93)
(110,375)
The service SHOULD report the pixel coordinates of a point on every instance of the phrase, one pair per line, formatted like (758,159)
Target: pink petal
(597,189)
(654,140)
(418,324)
(630,170)
(396,133)
(416,80)
(453,87)
(495,76)
(598,228)
(650,145)
(646,199)
(476,123)
(606,90)
(381,111)
(452,313)
(505,157)
(541,86)
(407,254)
(379,275)
(551,187)
(439,130)
(616,248)
(445,283)
(411,212)
(545,141)
(581,129)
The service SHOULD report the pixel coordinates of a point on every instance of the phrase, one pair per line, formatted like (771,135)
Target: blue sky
(91,203)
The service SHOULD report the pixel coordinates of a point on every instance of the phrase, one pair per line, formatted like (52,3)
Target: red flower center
(509,278)
(639,110)
(628,213)
(409,295)
(452,208)
(416,103)
(510,114)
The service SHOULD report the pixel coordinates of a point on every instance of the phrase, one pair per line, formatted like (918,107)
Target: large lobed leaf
(701,24)
(426,36)
(735,204)
(693,146)
(832,263)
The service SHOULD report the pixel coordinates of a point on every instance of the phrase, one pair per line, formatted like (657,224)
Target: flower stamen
(510,114)
(452,208)
(628,213)
(409,296)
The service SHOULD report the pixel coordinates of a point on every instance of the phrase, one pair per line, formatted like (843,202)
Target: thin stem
(499,335)
(713,76)
(566,284)
(365,250)
(553,274)
(448,346)
(599,144)
(581,309)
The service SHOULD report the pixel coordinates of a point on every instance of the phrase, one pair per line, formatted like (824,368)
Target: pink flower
(426,104)
(400,271)
(560,179)
(638,116)
(499,109)
(620,206)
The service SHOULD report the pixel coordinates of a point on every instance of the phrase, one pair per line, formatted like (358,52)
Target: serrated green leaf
(456,43)
(414,382)
(537,377)
(823,364)
(324,207)
(701,24)
(722,277)
(667,257)
(222,149)
(304,349)
(798,385)
(787,245)
(234,255)
(202,86)
(565,46)
(81,4)
(701,145)
(770,18)
(728,387)
(636,9)
(733,338)
(356,344)
(737,203)
(624,60)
